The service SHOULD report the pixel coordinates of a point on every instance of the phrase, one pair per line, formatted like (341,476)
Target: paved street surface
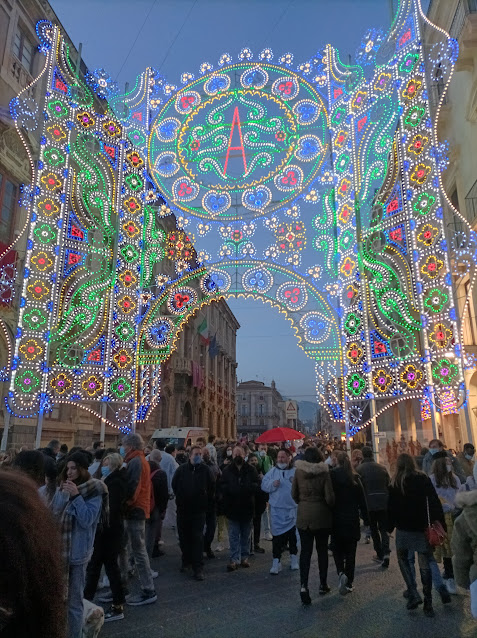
(252,604)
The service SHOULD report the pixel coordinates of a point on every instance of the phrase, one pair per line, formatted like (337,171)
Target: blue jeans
(239,540)
(77,577)
(437,580)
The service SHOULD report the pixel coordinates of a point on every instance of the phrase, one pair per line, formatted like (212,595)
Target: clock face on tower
(240,142)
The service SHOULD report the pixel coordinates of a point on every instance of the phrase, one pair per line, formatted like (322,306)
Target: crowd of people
(107,508)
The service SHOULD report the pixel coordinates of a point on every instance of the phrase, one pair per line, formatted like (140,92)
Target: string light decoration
(315,188)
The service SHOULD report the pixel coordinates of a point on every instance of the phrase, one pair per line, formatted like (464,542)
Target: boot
(276,566)
(294,562)
(428,610)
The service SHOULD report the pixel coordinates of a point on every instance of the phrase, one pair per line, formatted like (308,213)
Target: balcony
(181,365)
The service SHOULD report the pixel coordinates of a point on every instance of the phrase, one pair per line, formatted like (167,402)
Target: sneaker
(154,574)
(268,536)
(219,548)
(324,589)
(385,563)
(107,597)
(244,563)
(232,567)
(343,582)
(305,596)
(115,613)
(450,584)
(144,598)
(258,550)
(349,589)
(276,566)
(444,594)
(294,566)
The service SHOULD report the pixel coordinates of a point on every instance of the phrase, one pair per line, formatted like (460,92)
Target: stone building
(213,403)
(259,408)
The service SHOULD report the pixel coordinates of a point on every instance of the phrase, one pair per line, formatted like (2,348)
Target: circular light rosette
(293,295)
(180,300)
(258,280)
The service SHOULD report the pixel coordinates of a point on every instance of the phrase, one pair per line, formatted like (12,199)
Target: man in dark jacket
(375,480)
(194,488)
(211,515)
(238,485)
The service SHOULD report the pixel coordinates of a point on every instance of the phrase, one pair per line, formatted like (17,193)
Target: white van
(180,436)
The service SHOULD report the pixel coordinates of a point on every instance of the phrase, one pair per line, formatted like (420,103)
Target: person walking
(413,502)
(108,539)
(211,514)
(447,486)
(266,463)
(313,492)
(138,506)
(194,489)
(277,482)
(261,501)
(466,459)
(375,479)
(350,501)
(238,486)
(464,540)
(159,501)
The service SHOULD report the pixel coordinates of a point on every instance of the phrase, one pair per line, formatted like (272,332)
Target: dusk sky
(175,36)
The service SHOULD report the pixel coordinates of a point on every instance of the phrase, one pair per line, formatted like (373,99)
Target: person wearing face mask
(265,464)
(466,459)
(194,488)
(447,486)
(222,530)
(108,539)
(437,451)
(238,486)
(278,483)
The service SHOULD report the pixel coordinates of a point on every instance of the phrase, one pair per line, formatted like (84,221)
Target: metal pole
(39,428)
(102,430)
(6,427)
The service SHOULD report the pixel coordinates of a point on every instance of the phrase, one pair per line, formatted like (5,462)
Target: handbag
(435,533)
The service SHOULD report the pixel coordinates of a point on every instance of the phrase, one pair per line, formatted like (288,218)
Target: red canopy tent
(278,435)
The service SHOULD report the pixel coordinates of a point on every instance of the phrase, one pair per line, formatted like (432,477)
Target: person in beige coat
(464,540)
(313,491)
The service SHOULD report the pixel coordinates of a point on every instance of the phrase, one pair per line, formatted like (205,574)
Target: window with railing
(8,196)
(464,7)
(23,49)
(471,203)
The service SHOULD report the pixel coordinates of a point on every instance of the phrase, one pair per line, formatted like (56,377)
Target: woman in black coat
(350,501)
(108,540)
(412,503)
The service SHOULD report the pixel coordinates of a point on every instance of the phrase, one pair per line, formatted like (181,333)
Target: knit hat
(80,459)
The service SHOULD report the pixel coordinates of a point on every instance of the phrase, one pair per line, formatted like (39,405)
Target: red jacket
(138,486)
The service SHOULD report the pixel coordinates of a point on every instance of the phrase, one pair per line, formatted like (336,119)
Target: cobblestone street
(253,603)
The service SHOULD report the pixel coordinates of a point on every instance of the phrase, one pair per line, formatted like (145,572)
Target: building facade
(20,63)
(259,408)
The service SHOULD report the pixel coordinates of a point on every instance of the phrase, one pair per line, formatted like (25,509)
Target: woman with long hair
(350,501)
(31,584)
(412,503)
(108,539)
(313,491)
(447,486)
(80,503)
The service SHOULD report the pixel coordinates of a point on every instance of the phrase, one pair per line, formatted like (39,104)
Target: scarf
(87,490)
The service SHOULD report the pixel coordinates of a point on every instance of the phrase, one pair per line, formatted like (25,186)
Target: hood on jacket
(466,499)
(312,469)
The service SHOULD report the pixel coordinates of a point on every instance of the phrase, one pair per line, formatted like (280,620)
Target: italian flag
(203,331)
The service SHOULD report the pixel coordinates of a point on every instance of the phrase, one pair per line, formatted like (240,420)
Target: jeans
(344,553)
(137,536)
(437,580)
(320,536)
(409,574)
(153,525)
(379,534)
(279,543)
(106,551)
(210,525)
(191,538)
(77,574)
(239,540)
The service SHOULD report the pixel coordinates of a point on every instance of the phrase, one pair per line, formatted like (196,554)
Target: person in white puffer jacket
(278,483)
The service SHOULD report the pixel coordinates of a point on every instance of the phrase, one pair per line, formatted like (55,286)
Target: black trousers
(320,538)
(257,528)
(378,523)
(210,525)
(191,538)
(280,542)
(424,568)
(106,552)
(344,553)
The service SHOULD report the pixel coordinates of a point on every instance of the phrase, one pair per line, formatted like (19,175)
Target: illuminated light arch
(336,199)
